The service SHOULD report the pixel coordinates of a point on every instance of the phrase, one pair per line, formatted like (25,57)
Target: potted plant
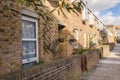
(72,40)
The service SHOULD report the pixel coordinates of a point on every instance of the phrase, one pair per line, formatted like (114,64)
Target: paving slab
(106,69)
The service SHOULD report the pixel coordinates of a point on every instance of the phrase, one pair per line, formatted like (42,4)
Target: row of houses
(117,32)
(27,39)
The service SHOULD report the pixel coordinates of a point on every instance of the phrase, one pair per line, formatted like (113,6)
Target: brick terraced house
(117,34)
(26,39)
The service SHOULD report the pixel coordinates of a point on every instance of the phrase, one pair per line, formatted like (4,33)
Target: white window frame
(85,40)
(76,34)
(72,0)
(29,39)
(75,0)
(97,24)
(91,19)
(84,14)
(101,26)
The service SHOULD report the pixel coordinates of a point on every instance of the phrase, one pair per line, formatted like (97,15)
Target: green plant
(39,7)
(79,6)
(100,41)
(80,51)
(40,62)
(115,39)
(52,47)
(92,44)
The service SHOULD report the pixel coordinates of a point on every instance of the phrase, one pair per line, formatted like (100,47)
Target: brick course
(63,69)
(10,37)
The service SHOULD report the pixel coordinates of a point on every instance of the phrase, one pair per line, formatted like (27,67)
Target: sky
(108,11)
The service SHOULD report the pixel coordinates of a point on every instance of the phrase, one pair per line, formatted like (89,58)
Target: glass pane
(29,49)
(28,29)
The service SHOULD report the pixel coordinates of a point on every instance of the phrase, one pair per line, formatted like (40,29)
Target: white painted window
(75,0)
(101,26)
(97,25)
(85,44)
(72,0)
(92,37)
(91,19)
(29,41)
(84,14)
(76,37)
(76,34)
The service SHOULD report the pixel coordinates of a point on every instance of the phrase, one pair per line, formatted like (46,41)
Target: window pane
(29,49)
(28,29)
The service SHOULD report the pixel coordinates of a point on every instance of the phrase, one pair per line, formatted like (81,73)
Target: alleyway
(106,69)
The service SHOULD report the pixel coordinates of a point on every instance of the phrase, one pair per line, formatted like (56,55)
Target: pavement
(106,69)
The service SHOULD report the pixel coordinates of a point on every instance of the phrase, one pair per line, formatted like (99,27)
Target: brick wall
(92,58)
(64,69)
(10,37)
(48,35)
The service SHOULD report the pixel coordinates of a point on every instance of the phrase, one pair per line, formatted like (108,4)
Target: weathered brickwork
(57,36)
(10,37)
(48,35)
(64,69)
(92,58)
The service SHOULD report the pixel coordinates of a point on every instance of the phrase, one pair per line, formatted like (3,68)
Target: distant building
(117,30)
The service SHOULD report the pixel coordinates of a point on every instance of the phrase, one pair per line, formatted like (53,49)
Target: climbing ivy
(39,7)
